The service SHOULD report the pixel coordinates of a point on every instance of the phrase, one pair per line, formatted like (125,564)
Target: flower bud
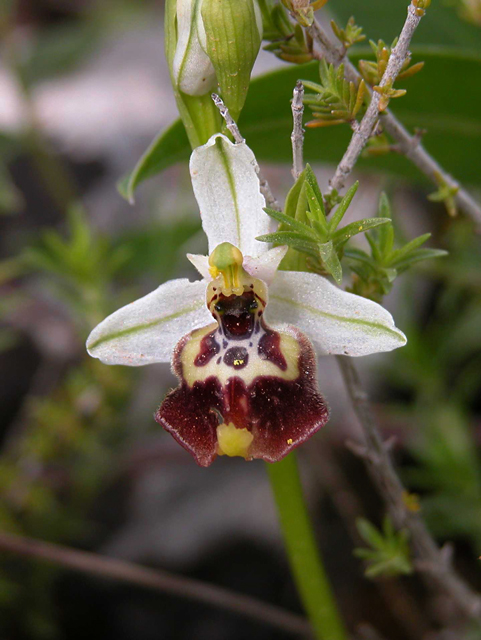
(233,36)
(192,69)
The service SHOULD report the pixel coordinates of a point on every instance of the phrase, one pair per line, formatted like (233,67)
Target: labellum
(245,389)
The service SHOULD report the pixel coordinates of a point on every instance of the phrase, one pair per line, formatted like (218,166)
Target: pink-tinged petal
(265,266)
(245,389)
(201,263)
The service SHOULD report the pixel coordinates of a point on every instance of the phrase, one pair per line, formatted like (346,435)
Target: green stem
(306,563)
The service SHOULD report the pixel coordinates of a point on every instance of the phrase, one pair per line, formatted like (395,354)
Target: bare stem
(297,136)
(122,571)
(366,127)
(408,144)
(231,125)
(431,561)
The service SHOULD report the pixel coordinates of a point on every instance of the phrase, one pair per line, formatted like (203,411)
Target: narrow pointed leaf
(401,253)
(385,233)
(312,182)
(376,254)
(370,533)
(292,223)
(417,256)
(292,239)
(330,260)
(292,198)
(338,214)
(359,255)
(316,210)
(343,235)
(318,226)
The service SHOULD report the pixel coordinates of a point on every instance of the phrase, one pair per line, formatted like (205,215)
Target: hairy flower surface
(247,372)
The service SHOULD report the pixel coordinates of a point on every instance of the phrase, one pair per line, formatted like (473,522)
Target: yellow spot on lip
(290,441)
(232,441)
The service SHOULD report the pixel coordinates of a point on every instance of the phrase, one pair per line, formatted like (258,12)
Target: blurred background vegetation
(83,89)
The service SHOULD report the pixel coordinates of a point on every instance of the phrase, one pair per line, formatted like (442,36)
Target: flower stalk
(306,564)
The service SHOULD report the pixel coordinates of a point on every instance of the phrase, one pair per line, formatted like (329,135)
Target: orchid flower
(243,339)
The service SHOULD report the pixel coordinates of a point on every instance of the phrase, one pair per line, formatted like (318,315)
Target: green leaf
(316,211)
(398,254)
(294,224)
(360,226)
(369,533)
(292,198)
(286,237)
(338,214)
(330,260)
(442,26)
(417,256)
(292,239)
(389,553)
(436,100)
(360,256)
(385,233)
(312,182)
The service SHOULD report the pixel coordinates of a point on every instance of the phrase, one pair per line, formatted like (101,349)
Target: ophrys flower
(248,383)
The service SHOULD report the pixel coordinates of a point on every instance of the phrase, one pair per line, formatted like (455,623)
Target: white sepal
(337,322)
(147,330)
(226,186)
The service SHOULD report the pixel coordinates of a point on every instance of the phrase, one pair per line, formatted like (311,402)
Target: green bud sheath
(233,31)
(199,114)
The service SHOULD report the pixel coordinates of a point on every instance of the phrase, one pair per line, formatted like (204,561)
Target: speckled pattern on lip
(253,378)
